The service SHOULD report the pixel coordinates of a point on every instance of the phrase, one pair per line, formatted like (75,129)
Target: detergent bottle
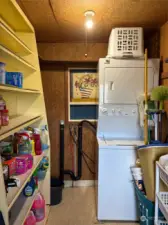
(33,148)
(29,188)
(44,139)
(31,219)
(22,143)
(39,207)
(37,144)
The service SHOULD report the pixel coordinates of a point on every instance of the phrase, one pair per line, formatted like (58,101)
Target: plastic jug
(2,103)
(44,139)
(39,207)
(30,188)
(30,161)
(31,219)
(21,165)
(22,143)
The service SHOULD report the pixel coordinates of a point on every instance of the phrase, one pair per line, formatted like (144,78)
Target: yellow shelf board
(15,62)
(47,211)
(14,192)
(12,14)
(17,123)
(11,42)
(10,88)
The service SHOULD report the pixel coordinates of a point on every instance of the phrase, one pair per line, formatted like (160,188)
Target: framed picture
(84,85)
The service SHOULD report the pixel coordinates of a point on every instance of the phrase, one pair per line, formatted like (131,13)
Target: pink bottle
(31,219)
(37,146)
(30,160)
(21,165)
(39,207)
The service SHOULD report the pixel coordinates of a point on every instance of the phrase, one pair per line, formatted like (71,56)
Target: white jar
(2,73)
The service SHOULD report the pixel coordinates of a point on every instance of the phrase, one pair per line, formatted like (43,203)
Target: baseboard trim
(79,183)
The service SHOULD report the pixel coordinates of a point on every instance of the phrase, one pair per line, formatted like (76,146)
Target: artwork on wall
(84,85)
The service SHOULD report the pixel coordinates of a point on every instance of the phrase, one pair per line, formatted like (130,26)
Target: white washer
(116,195)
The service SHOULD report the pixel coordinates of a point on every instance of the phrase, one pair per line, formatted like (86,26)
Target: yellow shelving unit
(14,62)
(8,88)
(17,123)
(20,219)
(15,192)
(18,50)
(9,40)
(17,19)
(25,210)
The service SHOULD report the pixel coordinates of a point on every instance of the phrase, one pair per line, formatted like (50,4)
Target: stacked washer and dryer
(121,83)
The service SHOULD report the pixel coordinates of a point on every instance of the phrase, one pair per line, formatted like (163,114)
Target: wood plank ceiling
(63,20)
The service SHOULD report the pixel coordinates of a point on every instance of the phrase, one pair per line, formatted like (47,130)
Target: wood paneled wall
(163,57)
(54,76)
(55,91)
(72,51)
(164,45)
(152,43)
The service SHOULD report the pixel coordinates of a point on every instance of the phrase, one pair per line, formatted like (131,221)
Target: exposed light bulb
(89,19)
(89,24)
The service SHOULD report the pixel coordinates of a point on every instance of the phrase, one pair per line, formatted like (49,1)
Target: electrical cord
(88,157)
(73,134)
(92,125)
(74,138)
(88,165)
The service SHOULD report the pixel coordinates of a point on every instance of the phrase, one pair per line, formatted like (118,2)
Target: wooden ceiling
(63,20)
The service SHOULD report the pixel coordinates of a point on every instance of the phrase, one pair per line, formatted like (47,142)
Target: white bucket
(136,170)
(137,176)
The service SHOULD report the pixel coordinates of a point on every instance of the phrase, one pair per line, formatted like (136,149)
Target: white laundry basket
(126,42)
(163,203)
(162,222)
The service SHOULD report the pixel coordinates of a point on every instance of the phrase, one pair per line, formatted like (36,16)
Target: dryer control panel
(111,110)
(119,121)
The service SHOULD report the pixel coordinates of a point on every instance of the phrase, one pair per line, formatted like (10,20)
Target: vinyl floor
(78,207)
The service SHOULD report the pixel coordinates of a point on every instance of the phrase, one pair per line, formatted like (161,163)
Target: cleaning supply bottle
(35,178)
(44,139)
(22,143)
(31,219)
(2,103)
(33,147)
(29,188)
(2,72)
(39,207)
(38,148)
(30,133)
(4,117)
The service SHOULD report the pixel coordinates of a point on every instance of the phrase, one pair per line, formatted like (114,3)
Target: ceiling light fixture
(89,19)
